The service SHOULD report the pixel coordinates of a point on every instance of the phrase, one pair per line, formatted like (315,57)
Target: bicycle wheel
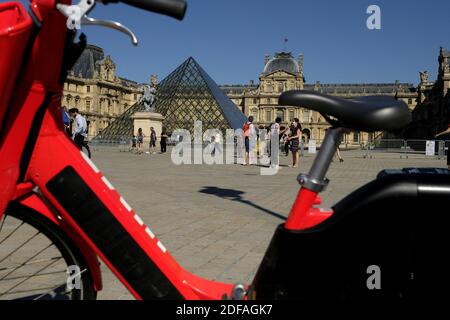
(38,261)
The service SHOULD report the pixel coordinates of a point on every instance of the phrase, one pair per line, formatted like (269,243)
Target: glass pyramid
(184,96)
(122,128)
(189,94)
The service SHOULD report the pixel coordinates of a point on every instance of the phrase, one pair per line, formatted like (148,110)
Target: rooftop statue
(424,76)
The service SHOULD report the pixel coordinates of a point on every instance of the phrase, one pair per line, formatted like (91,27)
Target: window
(255,115)
(356,137)
(280,114)
(255,101)
(306,115)
(88,105)
(409,101)
(280,87)
(88,88)
(291,115)
(135,96)
(268,115)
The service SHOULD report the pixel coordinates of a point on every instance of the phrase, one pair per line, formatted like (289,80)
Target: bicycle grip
(171,8)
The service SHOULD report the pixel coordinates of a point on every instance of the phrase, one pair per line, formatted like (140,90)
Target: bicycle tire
(60,242)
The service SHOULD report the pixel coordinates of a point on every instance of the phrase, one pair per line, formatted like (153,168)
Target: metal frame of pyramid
(189,94)
(121,129)
(184,96)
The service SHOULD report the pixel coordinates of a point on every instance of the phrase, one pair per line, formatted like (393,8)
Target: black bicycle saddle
(370,113)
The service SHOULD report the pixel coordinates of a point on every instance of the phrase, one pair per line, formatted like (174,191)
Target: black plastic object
(371,113)
(171,8)
(112,239)
(397,223)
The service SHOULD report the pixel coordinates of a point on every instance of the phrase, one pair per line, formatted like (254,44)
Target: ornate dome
(282,61)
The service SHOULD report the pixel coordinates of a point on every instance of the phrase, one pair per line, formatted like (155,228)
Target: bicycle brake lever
(76,12)
(85,20)
(77,15)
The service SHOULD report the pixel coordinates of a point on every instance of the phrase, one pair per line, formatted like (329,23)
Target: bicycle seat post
(315,180)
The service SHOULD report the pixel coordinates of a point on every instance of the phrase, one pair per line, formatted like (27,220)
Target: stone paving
(218,220)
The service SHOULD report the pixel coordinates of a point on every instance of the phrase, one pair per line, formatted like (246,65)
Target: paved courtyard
(218,220)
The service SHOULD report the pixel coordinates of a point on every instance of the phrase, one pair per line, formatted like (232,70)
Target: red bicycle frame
(42,169)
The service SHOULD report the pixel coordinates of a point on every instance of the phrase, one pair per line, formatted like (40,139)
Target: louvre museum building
(188,93)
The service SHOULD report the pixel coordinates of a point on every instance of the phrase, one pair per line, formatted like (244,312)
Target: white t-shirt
(81,124)
(275,129)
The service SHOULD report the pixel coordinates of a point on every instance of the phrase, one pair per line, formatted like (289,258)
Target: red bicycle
(57,210)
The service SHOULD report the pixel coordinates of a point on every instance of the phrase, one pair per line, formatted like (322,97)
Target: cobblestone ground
(218,220)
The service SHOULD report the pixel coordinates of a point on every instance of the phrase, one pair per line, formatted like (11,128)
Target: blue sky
(229,38)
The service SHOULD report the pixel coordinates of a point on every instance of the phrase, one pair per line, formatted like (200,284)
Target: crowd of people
(137,142)
(290,139)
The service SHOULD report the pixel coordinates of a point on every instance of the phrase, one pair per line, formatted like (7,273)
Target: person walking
(66,121)
(163,142)
(80,132)
(446,131)
(85,141)
(249,131)
(294,138)
(152,140)
(140,140)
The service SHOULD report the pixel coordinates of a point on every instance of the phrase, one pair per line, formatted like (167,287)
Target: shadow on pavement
(236,195)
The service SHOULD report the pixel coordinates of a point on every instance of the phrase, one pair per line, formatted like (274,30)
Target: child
(133,143)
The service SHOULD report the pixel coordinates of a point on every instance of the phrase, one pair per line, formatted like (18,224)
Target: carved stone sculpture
(424,76)
(148,98)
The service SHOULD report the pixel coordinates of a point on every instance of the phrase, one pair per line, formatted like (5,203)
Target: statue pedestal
(146,120)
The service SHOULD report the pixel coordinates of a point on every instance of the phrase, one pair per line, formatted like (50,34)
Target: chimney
(300,61)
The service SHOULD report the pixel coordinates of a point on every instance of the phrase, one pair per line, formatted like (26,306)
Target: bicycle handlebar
(171,8)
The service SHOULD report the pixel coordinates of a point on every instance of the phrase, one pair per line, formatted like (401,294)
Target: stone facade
(432,113)
(93,87)
(283,72)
